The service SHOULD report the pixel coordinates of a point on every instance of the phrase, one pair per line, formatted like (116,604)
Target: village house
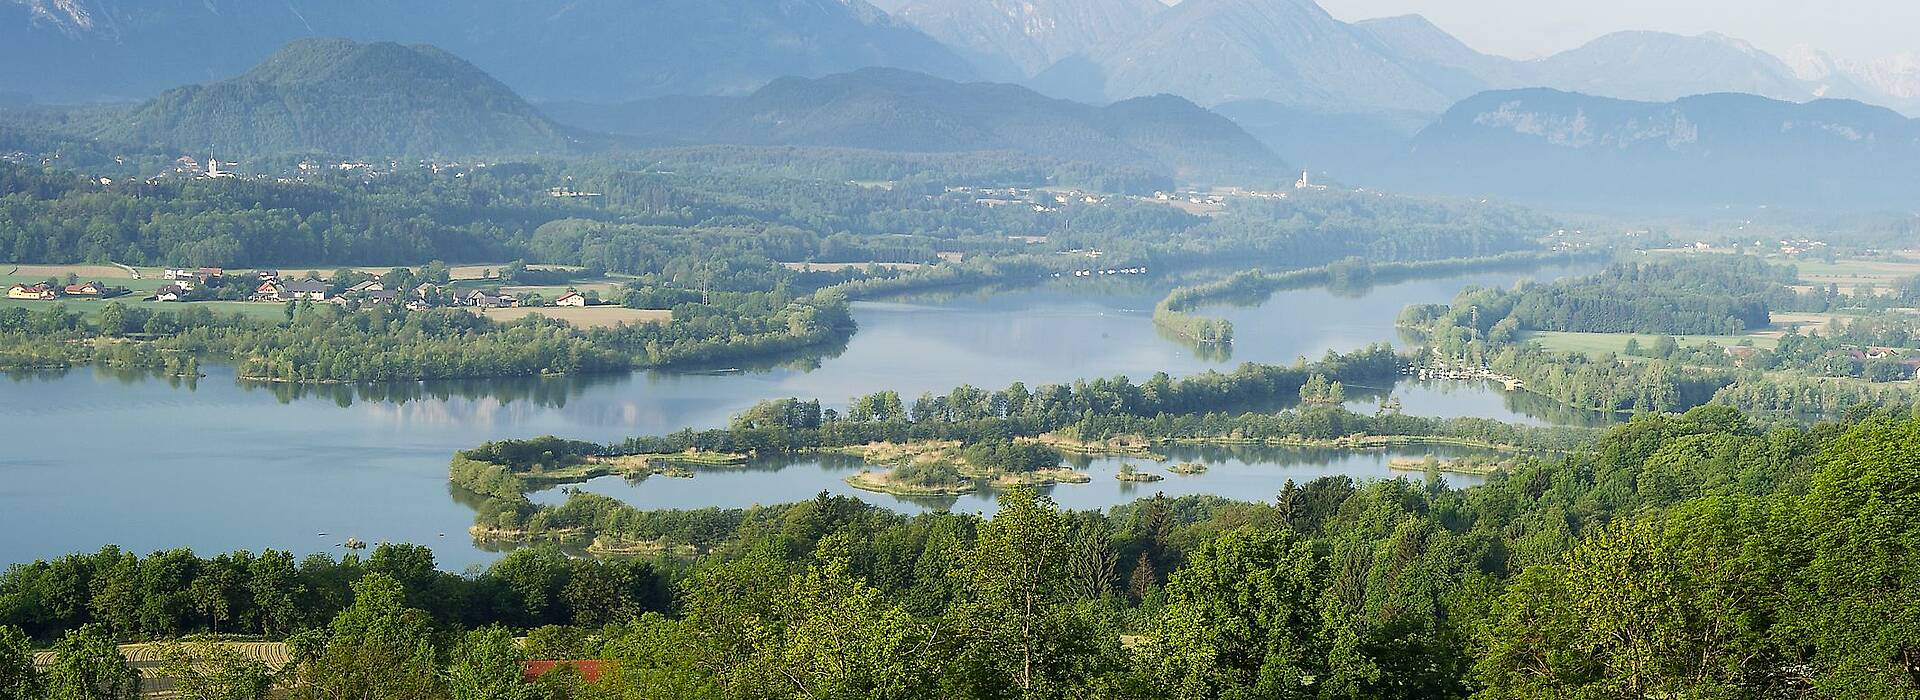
(264,275)
(480,299)
(86,289)
(570,299)
(366,286)
(209,273)
(311,289)
(270,290)
(178,273)
(38,292)
(171,292)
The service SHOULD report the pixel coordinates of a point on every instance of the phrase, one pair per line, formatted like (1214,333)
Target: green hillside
(335,96)
(894,110)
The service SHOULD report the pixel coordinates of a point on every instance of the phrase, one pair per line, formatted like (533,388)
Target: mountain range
(1563,148)
(1294,54)
(88,50)
(1206,90)
(1289,53)
(334,96)
(894,110)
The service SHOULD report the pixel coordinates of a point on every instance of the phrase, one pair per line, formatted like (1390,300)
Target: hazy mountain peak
(1565,147)
(1809,63)
(1646,65)
(1027,35)
(1288,51)
(1413,24)
(1897,75)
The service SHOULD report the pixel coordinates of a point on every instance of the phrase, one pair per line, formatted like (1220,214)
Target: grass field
(585,316)
(1805,323)
(1847,273)
(146,659)
(84,272)
(1599,343)
(106,274)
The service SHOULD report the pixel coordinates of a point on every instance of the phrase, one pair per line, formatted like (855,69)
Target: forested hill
(895,110)
(1704,151)
(339,97)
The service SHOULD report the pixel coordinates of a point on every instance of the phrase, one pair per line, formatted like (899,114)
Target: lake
(91,457)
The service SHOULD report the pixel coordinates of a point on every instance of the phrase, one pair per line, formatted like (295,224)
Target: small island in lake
(1129,472)
(1459,465)
(946,468)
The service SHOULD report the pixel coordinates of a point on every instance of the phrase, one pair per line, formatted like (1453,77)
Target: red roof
(589,670)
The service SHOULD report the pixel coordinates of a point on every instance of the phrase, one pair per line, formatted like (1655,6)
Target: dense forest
(327,343)
(1679,556)
(410,215)
(1709,295)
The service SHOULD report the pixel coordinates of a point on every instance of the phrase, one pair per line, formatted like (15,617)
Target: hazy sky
(1532,28)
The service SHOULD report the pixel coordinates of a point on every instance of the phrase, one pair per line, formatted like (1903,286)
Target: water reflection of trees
(127,376)
(1536,406)
(1145,288)
(543,391)
(554,391)
(1211,352)
(1277,455)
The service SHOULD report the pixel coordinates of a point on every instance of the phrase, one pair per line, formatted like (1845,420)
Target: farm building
(86,289)
(38,292)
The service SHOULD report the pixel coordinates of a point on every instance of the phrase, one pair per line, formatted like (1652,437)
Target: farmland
(584,316)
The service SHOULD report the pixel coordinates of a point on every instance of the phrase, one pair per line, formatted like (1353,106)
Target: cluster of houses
(189,166)
(365,293)
(183,280)
(271,287)
(1039,200)
(1190,197)
(50,292)
(1141,270)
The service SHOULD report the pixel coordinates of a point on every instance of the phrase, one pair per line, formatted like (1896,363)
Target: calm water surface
(1248,473)
(91,457)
